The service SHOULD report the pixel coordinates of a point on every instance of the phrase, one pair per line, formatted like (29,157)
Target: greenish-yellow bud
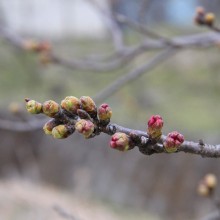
(88,104)
(71,104)
(48,127)
(60,132)
(33,107)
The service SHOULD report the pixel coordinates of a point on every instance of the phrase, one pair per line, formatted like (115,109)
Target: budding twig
(90,122)
(134,74)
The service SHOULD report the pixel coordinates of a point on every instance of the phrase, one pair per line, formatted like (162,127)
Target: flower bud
(33,107)
(48,127)
(51,108)
(36,46)
(61,132)
(155,125)
(71,104)
(30,45)
(209,19)
(210,181)
(85,127)
(203,190)
(104,112)
(120,141)
(173,141)
(15,108)
(200,11)
(88,104)
(199,17)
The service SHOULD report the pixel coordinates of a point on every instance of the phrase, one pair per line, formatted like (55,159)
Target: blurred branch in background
(122,55)
(63,213)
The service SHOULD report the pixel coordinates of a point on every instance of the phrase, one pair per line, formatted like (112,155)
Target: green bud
(33,107)
(48,127)
(60,132)
(71,104)
(88,104)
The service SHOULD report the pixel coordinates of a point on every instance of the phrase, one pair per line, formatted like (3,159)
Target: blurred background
(86,177)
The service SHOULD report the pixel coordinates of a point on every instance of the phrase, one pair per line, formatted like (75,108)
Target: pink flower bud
(104,112)
(51,108)
(85,127)
(155,125)
(173,141)
(120,141)
(33,107)
(88,104)
(71,104)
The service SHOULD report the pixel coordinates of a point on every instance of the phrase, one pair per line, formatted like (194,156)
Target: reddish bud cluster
(155,125)
(173,141)
(203,18)
(37,46)
(82,115)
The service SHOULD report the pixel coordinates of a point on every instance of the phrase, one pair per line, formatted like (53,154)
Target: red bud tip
(88,104)
(155,125)
(120,141)
(51,108)
(173,141)
(85,127)
(104,112)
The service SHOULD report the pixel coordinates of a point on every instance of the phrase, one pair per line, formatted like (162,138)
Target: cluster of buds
(207,185)
(36,46)
(173,141)
(204,18)
(80,114)
(43,48)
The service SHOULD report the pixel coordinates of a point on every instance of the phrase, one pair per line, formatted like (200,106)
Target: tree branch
(128,54)
(134,74)
(19,126)
(91,121)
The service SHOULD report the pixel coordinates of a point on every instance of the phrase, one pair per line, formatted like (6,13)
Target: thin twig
(134,74)
(129,53)
(115,30)
(141,28)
